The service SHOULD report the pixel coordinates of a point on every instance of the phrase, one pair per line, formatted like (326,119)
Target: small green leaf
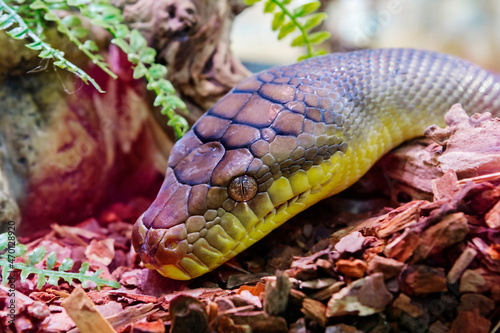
(160,100)
(38,4)
(71,21)
(122,44)
(319,52)
(269,6)
(35,256)
(19,250)
(178,121)
(157,71)
(5,275)
(319,37)
(35,45)
(53,280)
(153,85)
(278,20)
(306,9)
(139,71)
(133,58)
(167,110)
(147,55)
(6,24)
(46,54)
(121,31)
(286,29)
(61,64)
(251,2)
(50,16)
(175,102)
(314,20)
(79,32)
(18,33)
(24,274)
(6,20)
(59,6)
(51,260)
(166,86)
(41,281)
(77,3)
(66,265)
(84,268)
(91,45)
(4,240)
(299,41)
(137,41)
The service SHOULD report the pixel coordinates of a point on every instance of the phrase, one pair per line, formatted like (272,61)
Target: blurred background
(466,28)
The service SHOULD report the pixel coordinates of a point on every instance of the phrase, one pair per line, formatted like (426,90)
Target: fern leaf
(84,268)
(24,274)
(251,2)
(22,31)
(66,265)
(286,29)
(51,260)
(306,9)
(34,46)
(314,20)
(303,18)
(4,241)
(5,274)
(319,37)
(299,41)
(48,274)
(42,279)
(36,256)
(278,20)
(269,6)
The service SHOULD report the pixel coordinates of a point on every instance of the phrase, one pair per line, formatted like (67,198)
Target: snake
(285,138)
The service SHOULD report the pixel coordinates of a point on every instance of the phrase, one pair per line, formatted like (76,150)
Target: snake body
(290,136)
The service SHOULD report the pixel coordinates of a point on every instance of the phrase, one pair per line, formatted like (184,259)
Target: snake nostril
(242,188)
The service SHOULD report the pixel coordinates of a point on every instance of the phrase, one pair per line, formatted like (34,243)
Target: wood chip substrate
(430,263)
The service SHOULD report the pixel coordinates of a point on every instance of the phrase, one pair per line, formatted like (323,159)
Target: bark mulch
(349,264)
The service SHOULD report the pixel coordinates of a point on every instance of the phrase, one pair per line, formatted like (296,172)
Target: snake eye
(242,188)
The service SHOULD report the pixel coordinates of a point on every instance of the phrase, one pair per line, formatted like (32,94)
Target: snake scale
(290,136)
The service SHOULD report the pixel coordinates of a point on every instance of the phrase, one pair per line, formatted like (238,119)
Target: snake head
(191,227)
(246,167)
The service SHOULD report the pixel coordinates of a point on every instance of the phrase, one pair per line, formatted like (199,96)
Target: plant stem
(298,25)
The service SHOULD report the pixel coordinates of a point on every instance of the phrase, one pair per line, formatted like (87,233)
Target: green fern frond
(10,249)
(303,18)
(71,26)
(17,28)
(103,14)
